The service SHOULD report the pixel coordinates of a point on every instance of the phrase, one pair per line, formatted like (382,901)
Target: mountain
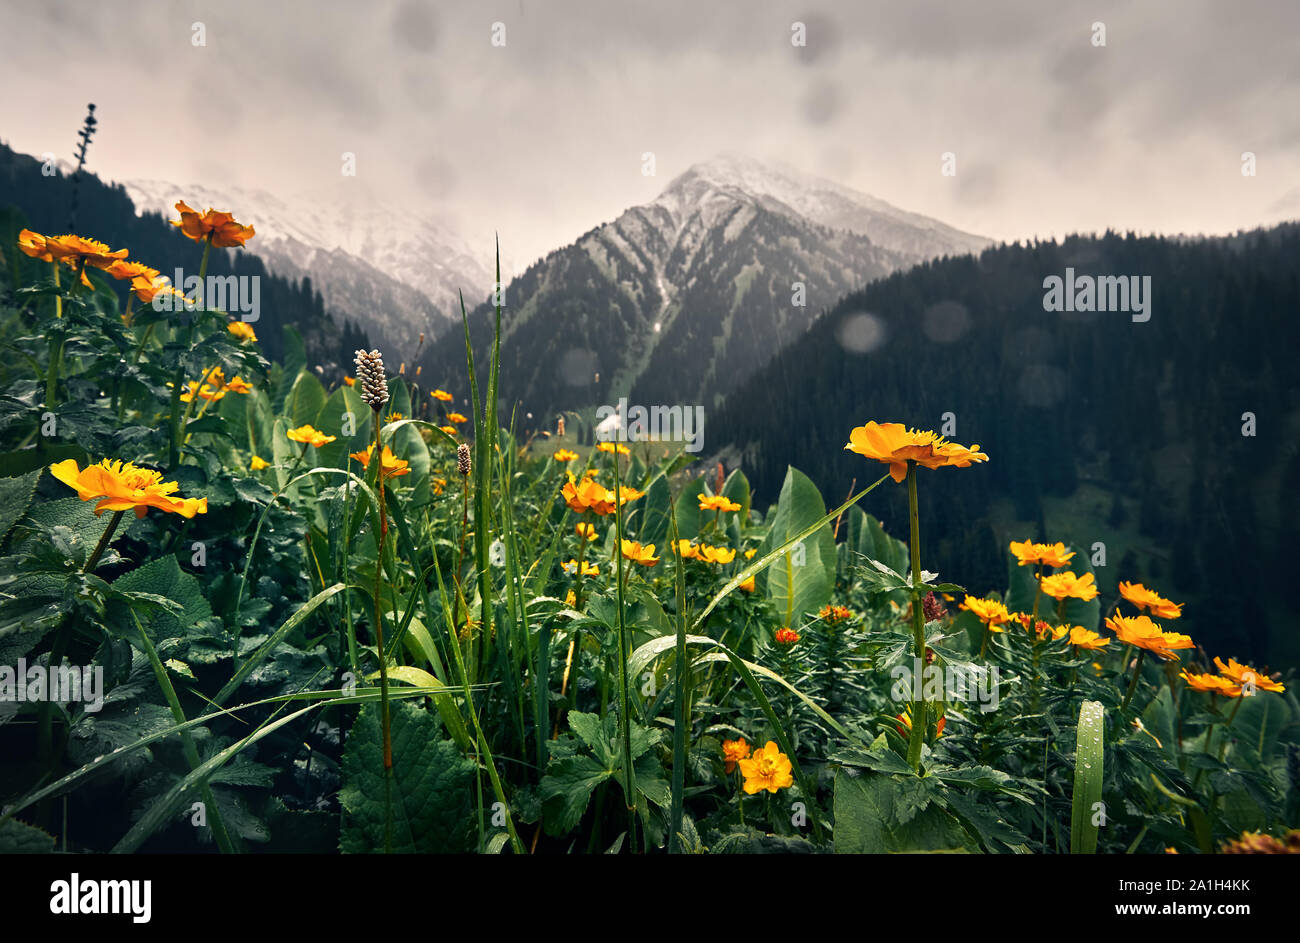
(1170,442)
(28,198)
(394,272)
(679,300)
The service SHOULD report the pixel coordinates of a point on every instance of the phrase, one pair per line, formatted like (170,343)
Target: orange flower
(564,455)
(1143,598)
(583,529)
(1067,584)
(644,555)
(146,289)
(588,569)
(450,430)
(768,768)
(687,550)
(734,751)
(310,435)
(33,244)
(1142,632)
(76,249)
(442,396)
(1083,638)
(716,502)
(350,381)
(242,329)
(587,495)
(1029,553)
(121,486)
(715,554)
(1246,676)
(1211,684)
(895,445)
(390,465)
(989,611)
(258,463)
(786,636)
(612,447)
(834,614)
(747,585)
(905,721)
(220,227)
(131,270)
(457,418)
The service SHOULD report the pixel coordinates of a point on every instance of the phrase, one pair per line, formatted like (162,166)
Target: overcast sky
(542,138)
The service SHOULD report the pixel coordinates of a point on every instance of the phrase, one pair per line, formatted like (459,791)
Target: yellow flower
(768,768)
(390,464)
(450,430)
(394,417)
(749,554)
(1067,584)
(1143,598)
(588,569)
(571,598)
(564,455)
(747,585)
(310,436)
(586,530)
(238,385)
(220,227)
(733,751)
(131,270)
(146,289)
(895,445)
(611,448)
(989,611)
(438,484)
(1142,632)
(716,502)
(442,396)
(1029,553)
(350,381)
(205,391)
(34,244)
(76,249)
(644,555)
(121,486)
(716,554)
(1211,684)
(242,329)
(687,550)
(1083,638)
(258,463)
(457,418)
(1244,675)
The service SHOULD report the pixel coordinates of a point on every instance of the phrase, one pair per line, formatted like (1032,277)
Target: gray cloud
(542,139)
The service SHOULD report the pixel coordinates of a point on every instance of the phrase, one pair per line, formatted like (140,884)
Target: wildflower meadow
(246,606)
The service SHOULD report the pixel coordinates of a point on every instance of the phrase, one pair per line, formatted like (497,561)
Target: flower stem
(920,717)
(625,703)
(1132,685)
(379,639)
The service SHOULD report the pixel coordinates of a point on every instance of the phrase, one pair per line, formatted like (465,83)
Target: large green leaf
(1088,775)
(431,788)
(164,577)
(15,495)
(879,814)
(803,579)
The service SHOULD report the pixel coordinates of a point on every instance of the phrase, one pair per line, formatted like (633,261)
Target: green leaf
(431,789)
(876,814)
(19,838)
(164,577)
(1088,770)
(15,495)
(802,580)
(567,788)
